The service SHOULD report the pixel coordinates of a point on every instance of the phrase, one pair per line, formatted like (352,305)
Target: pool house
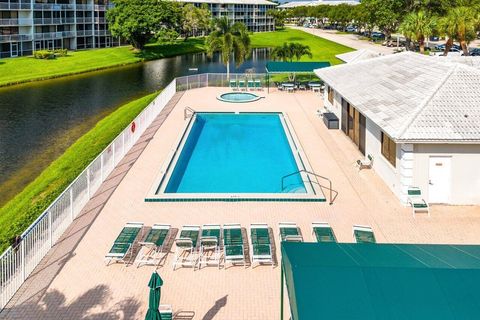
(417,117)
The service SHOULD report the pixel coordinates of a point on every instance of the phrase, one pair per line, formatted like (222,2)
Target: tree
(195,19)
(459,24)
(139,21)
(288,51)
(278,16)
(385,14)
(229,38)
(416,26)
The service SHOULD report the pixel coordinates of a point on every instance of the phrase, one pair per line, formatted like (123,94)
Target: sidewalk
(349,40)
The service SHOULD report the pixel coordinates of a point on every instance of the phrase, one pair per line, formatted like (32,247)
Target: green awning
(382,281)
(295,67)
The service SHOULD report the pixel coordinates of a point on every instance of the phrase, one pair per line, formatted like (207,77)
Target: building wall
(465,172)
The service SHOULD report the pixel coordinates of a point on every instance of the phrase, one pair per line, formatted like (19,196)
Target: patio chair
(251,85)
(241,85)
(233,250)
(152,250)
(210,253)
(323,232)
(186,252)
(416,201)
(260,244)
(365,164)
(363,234)
(233,85)
(166,312)
(289,232)
(122,248)
(258,84)
(279,86)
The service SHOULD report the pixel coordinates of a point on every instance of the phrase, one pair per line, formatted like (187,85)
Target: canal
(40,120)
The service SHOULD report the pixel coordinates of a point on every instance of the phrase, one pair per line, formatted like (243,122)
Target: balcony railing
(53,6)
(15,22)
(85,20)
(100,20)
(15,37)
(85,7)
(15,6)
(102,33)
(48,35)
(54,20)
(84,33)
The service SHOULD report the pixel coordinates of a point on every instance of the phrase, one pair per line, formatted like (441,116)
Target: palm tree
(229,38)
(288,51)
(459,24)
(417,26)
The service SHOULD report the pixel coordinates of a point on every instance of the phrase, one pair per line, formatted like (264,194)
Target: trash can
(331,120)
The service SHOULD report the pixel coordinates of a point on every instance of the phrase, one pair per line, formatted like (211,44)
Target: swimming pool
(238,97)
(234,156)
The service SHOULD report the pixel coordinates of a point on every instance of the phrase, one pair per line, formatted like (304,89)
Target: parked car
(474,52)
(434,38)
(377,36)
(351,29)
(454,48)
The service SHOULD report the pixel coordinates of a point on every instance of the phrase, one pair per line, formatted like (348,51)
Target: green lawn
(24,69)
(322,49)
(26,206)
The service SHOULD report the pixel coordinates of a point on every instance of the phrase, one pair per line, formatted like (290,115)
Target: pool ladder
(188,113)
(317,176)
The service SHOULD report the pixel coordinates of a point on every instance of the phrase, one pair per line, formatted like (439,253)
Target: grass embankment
(26,69)
(322,49)
(26,206)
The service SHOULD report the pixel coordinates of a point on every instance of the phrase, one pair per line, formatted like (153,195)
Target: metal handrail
(186,114)
(316,175)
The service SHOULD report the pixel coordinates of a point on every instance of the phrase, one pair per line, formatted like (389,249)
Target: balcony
(100,20)
(102,33)
(84,33)
(84,20)
(15,6)
(15,22)
(40,21)
(53,6)
(15,37)
(48,35)
(87,7)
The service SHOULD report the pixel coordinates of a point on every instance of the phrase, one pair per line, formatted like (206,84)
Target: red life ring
(133,127)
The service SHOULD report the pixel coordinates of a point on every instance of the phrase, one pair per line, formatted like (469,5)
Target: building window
(389,149)
(330,95)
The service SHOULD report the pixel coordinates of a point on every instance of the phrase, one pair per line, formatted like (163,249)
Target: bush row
(50,54)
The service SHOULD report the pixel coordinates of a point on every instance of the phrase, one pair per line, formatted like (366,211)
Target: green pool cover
(295,67)
(382,281)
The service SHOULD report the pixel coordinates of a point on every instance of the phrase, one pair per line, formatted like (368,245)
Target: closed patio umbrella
(154,298)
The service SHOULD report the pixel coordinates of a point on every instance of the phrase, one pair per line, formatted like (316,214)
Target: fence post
(23,255)
(187,82)
(50,232)
(207,81)
(88,182)
(71,204)
(101,167)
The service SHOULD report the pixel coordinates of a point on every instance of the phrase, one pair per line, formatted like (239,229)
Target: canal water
(39,121)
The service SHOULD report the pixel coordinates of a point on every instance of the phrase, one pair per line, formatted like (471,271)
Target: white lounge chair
(122,248)
(152,247)
(186,253)
(210,253)
(366,163)
(166,311)
(289,232)
(233,248)
(416,201)
(260,244)
(363,234)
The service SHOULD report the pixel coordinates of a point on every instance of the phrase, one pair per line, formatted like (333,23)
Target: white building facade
(418,117)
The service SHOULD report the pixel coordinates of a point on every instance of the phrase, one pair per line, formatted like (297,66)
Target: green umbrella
(154,299)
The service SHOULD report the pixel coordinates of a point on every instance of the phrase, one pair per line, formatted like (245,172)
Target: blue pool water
(235,153)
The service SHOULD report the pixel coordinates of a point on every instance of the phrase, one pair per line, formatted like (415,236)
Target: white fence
(16,263)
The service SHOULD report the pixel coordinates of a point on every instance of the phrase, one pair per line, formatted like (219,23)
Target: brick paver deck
(73,281)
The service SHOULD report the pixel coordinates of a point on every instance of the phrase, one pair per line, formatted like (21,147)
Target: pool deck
(73,281)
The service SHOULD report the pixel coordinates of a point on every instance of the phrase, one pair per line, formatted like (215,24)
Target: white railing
(219,80)
(16,263)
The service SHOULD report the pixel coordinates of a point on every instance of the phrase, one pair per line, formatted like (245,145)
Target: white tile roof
(357,55)
(253,2)
(413,97)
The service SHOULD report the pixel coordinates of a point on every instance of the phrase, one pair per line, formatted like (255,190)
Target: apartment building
(253,13)
(29,25)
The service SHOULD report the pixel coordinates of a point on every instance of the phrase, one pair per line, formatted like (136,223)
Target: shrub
(44,54)
(60,52)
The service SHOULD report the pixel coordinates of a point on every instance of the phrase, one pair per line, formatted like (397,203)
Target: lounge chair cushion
(190,234)
(156,236)
(289,231)
(260,241)
(324,235)
(364,236)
